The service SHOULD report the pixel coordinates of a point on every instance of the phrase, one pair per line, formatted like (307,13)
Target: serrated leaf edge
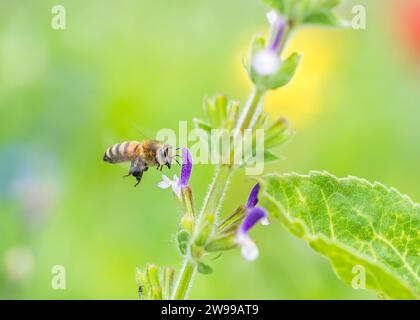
(297,227)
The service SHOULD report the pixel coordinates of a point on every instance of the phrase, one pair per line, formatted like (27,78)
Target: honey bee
(142,155)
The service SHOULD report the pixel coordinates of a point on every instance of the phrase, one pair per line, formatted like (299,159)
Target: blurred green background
(125,69)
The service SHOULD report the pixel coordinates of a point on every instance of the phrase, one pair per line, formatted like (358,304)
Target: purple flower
(178,184)
(253,215)
(186,167)
(266,62)
(253,197)
(280,25)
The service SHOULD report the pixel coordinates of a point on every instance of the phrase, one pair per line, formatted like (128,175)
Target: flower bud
(153,275)
(168,280)
(223,242)
(232,115)
(266,62)
(187,223)
(199,124)
(216,110)
(277,133)
(231,221)
(205,231)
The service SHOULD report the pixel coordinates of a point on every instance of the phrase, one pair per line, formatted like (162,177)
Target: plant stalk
(184,281)
(218,187)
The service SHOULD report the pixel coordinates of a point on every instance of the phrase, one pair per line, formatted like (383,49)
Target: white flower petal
(273,17)
(264,221)
(266,62)
(176,188)
(249,249)
(165,183)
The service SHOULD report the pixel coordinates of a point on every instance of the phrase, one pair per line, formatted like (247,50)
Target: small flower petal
(249,249)
(254,215)
(266,62)
(174,184)
(279,32)
(176,188)
(253,197)
(186,167)
(264,221)
(165,183)
(272,17)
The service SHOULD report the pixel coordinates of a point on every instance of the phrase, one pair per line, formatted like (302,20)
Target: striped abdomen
(124,151)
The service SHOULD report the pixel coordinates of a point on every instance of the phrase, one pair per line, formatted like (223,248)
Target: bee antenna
(176,160)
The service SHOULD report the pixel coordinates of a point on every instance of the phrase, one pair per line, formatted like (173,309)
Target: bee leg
(136,170)
(138,176)
(127,175)
(168,165)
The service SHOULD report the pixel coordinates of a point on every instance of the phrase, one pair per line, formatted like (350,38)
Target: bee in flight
(142,155)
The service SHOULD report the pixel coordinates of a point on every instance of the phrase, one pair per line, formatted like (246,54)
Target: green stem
(184,281)
(211,205)
(249,113)
(214,198)
(215,195)
(187,221)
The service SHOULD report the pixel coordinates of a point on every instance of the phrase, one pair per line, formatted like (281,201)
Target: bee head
(164,155)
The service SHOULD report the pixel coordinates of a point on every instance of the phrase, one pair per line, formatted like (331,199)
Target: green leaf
(203,268)
(200,124)
(183,238)
(276,4)
(258,44)
(353,223)
(323,18)
(270,157)
(286,71)
(318,12)
(282,77)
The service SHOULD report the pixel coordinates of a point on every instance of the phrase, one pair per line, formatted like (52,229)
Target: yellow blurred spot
(302,99)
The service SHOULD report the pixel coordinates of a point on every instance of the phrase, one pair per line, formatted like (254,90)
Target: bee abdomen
(124,151)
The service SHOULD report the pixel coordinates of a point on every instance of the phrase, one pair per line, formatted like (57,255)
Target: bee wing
(144,132)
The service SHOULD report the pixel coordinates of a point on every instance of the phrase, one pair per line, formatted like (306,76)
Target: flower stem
(250,112)
(184,281)
(214,198)
(211,205)
(215,195)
